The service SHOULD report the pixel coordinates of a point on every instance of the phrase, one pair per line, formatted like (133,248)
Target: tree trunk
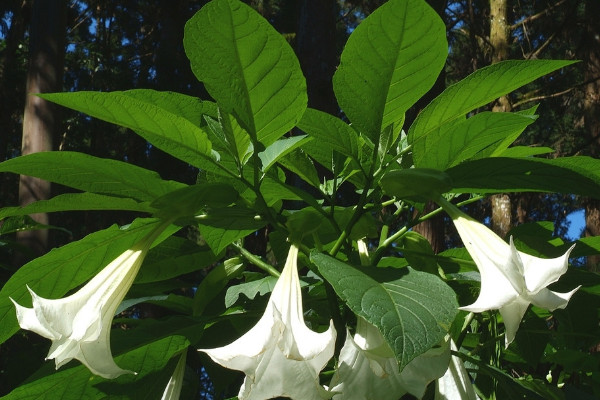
(591,113)
(499,36)
(9,76)
(47,44)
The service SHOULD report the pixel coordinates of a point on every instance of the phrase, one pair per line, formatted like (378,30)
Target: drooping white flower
(368,369)
(510,279)
(280,355)
(79,324)
(456,382)
(173,389)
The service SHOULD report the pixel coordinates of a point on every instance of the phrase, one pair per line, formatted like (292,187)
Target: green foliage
(395,301)
(263,87)
(257,188)
(389,62)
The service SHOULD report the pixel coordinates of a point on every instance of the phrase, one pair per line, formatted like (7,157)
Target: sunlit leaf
(247,67)
(391,59)
(412,309)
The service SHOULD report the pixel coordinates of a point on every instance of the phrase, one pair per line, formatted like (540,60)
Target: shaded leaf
(92,174)
(575,175)
(77,201)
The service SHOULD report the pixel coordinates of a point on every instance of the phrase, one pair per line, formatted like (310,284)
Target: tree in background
(45,72)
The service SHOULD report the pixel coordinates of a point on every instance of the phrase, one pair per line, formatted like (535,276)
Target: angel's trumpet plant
(280,355)
(79,324)
(510,279)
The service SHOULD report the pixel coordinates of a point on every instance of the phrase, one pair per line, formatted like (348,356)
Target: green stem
(359,209)
(257,261)
(450,208)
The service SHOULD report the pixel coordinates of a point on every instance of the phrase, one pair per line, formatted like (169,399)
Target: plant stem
(253,259)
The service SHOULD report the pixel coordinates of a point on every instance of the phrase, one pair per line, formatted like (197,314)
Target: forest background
(54,45)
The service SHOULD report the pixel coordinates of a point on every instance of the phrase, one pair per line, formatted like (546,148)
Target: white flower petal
(551,300)
(368,369)
(173,389)
(79,325)
(540,272)
(456,382)
(510,279)
(512,313)
(280,356)
(362,375)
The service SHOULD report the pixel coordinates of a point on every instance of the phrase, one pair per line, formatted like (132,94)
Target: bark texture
(45,72)
(499,39)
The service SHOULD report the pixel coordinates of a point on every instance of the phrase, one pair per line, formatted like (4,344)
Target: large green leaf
(412,309)
(330,132)
(189,107)
(92,174)
(392,59)
(576,175)
(476,90)
(62,269)
(476,137)
(77,201)
(247,67)
(163,127)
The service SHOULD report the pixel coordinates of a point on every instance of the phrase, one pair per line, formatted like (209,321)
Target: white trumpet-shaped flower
(280,355)
(368,369)
(510,279)
(456,382)
(79,324)
(173,389)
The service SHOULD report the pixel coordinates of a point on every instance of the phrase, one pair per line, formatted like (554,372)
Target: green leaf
(279,149)
(166,130)
(247,67)
(478,137)
(250,289)
(216,281)
(299,163)
(147,350)
(191,108)
(240,143)
(62,269)
(575,175)
(189,200)
(479,88)
(418,252)
(412,309)
(92,174)
(330,132)
(392,59)
(525,151)
(416,184)
(25,223)
(223,226)
(173,257)
(77,201)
